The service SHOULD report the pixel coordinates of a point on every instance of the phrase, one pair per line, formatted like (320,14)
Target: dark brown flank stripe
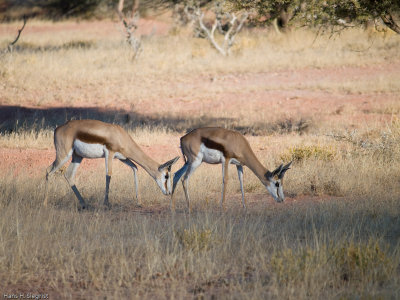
(92,139)
(213,145)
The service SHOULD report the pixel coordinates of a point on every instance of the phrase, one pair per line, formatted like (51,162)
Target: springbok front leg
(134,169)
(240,175)
(70,177)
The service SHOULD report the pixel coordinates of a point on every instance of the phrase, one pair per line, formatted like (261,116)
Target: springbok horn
(284,169)
(168,163)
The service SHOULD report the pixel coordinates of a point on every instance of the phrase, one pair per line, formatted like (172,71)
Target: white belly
(88,150)
(211,156)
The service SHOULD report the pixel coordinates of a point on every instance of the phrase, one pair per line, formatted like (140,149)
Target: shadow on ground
(19,118)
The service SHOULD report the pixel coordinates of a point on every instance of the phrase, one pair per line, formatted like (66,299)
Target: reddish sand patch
(273,89)
(29,162)
(33,162)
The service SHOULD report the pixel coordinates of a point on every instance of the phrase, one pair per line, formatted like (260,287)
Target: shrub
(363,262)
(351,262)
(289,266)
(300,153)
(194,239)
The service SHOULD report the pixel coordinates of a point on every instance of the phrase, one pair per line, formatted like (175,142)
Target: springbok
(215,145)
(95,139)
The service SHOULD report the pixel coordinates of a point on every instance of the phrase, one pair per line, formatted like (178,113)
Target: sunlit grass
(336,236)
(317,249)
(110,77)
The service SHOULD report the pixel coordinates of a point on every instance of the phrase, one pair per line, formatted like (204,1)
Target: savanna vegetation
(328,102)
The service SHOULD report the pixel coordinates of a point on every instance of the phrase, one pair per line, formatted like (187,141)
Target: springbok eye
(166,176)
(277,184)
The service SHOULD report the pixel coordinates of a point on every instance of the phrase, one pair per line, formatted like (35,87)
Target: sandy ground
(324,106)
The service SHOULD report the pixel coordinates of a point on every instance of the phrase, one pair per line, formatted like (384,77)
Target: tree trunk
(135,6)
(283,20)
(390,22)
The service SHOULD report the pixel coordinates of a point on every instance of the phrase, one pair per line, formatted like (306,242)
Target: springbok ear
(277,171)
(168,164)
(284,169)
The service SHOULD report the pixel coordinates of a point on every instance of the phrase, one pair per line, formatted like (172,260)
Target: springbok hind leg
(185,185)
(225,165)
(109,155)
(192,166)
(70,177)
(176,178)
(54,167)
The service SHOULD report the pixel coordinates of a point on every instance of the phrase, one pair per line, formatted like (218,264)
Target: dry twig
(10,46)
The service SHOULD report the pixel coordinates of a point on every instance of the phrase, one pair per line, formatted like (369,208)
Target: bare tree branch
(10,46)
(228,30)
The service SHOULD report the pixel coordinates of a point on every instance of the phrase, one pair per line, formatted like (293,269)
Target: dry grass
(111,78)
(347,248)
(336,237)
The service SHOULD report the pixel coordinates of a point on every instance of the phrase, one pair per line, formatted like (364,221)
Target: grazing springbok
(95,139)
(215,145)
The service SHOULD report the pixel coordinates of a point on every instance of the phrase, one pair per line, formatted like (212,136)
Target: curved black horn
(277,171)
(284,169)
(168,163)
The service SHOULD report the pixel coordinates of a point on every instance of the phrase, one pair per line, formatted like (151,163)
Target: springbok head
(274,182)
(164,178)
